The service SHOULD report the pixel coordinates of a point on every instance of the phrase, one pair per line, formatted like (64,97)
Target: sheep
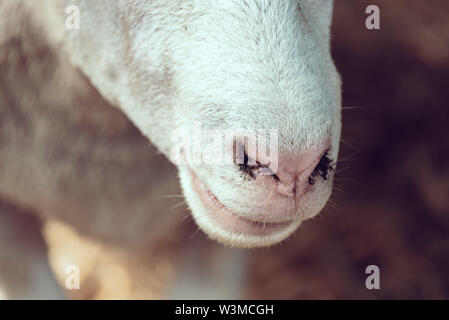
(167,66)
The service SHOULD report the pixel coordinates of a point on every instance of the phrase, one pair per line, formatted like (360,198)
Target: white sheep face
(172,66)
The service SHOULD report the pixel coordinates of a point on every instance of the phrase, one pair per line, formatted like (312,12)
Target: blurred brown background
(393,207)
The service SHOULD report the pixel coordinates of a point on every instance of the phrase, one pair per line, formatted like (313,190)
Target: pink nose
(294,172)
(282,189)
(281,193)
(282,181)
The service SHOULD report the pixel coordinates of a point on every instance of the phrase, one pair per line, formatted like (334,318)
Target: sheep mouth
(230,221)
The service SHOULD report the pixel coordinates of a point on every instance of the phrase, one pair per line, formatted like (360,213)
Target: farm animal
(168,66)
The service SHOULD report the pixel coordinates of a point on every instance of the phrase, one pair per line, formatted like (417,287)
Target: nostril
(251,167)
(324,168)
(292,167)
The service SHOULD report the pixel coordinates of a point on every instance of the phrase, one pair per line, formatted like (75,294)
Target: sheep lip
(230,221)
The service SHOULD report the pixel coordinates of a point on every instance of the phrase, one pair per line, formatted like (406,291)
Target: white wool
(225,63)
